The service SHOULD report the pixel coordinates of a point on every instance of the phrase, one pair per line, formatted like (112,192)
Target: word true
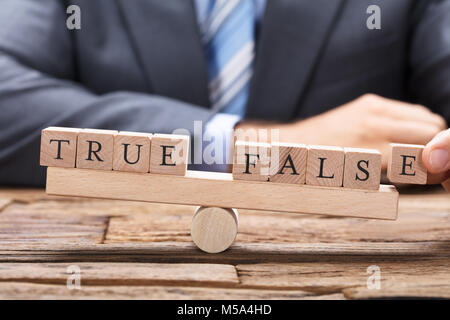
(277,162)
(113,150)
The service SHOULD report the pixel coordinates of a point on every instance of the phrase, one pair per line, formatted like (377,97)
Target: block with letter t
(59,147)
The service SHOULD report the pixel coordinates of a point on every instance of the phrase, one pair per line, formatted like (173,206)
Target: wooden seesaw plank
(219,190)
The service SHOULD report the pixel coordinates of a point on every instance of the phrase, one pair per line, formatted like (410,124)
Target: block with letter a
(132,152)
(251,161)
(288,163)
(95,149)
(169,154)
(405,164)
(59,147)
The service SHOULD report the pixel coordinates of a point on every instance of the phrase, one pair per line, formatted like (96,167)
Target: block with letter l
(169,154)
(59,147)
(325,166)
(405,164)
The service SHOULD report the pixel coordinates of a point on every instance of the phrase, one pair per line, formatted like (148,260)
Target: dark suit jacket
(139,65)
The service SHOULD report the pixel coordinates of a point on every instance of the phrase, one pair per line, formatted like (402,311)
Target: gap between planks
(164,252)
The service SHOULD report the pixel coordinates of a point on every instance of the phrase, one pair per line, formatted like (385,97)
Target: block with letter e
(405,164)
(288,163)
(132,152)
(325,166)
(59,147)
(362,169)
(251,161)
(169,154)
(95,149)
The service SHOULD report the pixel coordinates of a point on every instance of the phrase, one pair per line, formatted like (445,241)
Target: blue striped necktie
(228,37)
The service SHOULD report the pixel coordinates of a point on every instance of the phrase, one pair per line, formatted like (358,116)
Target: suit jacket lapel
(292,36)
(166,37)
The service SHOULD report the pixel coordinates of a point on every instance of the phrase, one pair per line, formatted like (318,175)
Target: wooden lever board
(220,190)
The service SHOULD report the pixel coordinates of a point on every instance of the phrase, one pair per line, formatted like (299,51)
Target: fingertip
(436,155)
(446,185)
(436,178)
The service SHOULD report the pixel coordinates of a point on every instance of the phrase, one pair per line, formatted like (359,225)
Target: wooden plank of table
(27,195)
(336,276)
(31,291)
(101,273)
(18,225)
(218,189)
(412,278)
(428,288)
(173,224)
(278,255)
(4,203)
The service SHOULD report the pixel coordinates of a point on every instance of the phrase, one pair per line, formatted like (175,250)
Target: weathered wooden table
(144,251)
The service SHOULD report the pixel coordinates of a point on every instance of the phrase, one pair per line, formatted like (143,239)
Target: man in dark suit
(304,67)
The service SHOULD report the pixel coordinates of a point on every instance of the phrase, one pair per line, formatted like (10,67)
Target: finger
(411,112)
(446,185)
(436,155)
(436,178)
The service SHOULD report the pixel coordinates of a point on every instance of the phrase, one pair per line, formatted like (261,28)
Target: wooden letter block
(251,161)
(169,154)
(132,152)
(405,164)
(288,163)
(95,149)
(325,166)
(362,169)
(59,147)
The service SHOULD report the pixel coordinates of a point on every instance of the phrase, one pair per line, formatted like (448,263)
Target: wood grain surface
(138,250)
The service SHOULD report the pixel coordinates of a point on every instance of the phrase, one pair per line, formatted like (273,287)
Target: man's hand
(436,158)
(367,122)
